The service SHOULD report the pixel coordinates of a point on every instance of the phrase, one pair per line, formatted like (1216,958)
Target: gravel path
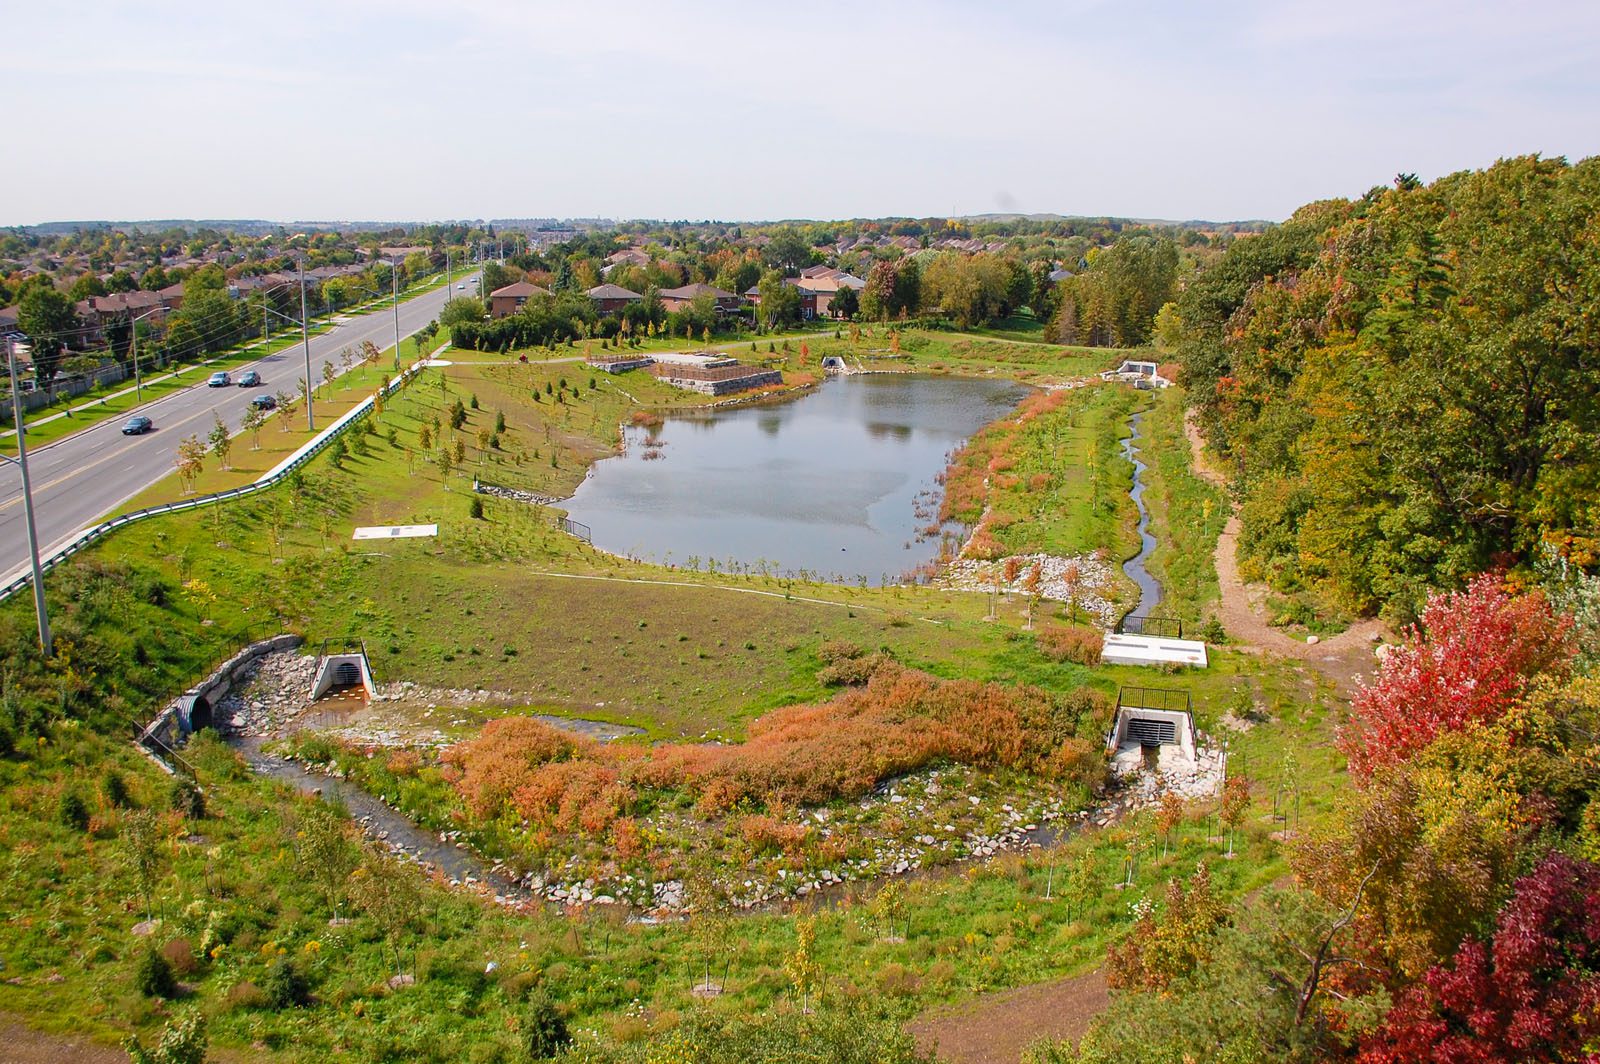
(1344,658)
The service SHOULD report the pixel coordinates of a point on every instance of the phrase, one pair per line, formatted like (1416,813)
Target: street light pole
(133,349)
(305,338)
(39,609)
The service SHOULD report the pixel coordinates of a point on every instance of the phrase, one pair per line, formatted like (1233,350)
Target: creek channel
(1135,567)
(391,827)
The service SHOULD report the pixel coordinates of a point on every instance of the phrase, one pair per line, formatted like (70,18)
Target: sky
(468,109)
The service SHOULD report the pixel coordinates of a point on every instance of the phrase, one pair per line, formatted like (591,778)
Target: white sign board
(396,531)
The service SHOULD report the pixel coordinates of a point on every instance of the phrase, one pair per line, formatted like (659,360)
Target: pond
(841,483)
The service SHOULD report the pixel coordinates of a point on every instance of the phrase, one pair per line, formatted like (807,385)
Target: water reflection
(827,483)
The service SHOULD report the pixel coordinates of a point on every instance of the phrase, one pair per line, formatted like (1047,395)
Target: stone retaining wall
(174,723)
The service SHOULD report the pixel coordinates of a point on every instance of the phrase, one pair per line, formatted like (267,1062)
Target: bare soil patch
(996,1028)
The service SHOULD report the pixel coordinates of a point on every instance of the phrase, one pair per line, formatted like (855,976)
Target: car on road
(461,288)
(138,425)
(264,402)
(251,379)
(219,379)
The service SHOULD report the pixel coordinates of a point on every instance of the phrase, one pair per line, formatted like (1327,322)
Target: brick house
(509,300)
(610,298)
(678,298)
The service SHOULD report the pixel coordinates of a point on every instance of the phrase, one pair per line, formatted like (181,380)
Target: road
(80,479)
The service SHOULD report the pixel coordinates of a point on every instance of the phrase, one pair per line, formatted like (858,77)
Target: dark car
(251,379)
(138,425)
(264,402)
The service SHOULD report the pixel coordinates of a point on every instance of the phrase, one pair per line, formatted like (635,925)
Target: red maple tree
(1466,660)
(1533,994)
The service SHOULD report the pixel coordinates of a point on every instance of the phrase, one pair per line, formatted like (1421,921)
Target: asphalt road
(83,477)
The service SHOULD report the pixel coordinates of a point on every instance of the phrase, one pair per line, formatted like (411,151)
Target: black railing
(575,528)
(1151,624)
(1163,698)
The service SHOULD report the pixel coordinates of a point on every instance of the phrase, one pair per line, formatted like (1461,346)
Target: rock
(145,928)
(398,981)
(1313,640)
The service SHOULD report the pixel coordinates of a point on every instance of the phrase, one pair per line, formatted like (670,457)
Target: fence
(575,528)
(90,536)
(1163,698)
(71,387)
(1152,625)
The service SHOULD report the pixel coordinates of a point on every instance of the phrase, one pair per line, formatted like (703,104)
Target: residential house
(509,300)
(819,290)
(678,298)
(610,298)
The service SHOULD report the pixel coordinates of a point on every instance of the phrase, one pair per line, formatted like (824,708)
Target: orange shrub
(901,720)
(1072,643)
(768,834)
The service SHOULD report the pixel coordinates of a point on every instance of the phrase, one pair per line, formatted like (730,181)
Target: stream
(1149,588)
(390,827)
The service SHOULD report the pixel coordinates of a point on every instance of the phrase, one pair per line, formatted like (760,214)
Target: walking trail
(996,1028)
(1344,658)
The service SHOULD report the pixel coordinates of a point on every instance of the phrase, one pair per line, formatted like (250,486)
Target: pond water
(837,483)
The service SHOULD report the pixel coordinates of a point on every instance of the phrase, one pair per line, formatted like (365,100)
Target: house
(1057,276)
(679,298)
(509,300)
(818,291)
(610,298)
(634,256)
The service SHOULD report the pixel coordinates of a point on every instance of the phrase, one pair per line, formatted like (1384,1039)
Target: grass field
(508,602)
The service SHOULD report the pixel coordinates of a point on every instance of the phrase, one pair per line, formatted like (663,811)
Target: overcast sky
(400,109)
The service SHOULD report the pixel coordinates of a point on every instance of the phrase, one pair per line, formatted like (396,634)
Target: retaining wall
(174,723)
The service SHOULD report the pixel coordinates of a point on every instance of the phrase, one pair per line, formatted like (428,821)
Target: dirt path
(24,1045)
(996,1028)
(1344,658)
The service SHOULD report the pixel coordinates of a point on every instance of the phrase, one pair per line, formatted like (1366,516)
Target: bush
(475,511)
(183,1041)
(339,453)
(73,812)
(544,1031)
(245,995)
(286,986)
(152,975)
(188,799)
(1073,643)
(115,789)
(1213,632)
(180,954)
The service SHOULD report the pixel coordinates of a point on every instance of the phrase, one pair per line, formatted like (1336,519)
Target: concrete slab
(396,531)
(1122,649)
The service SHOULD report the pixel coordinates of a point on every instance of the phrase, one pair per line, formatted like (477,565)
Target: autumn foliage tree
(1530,994)
(1169,944)
(1467,660)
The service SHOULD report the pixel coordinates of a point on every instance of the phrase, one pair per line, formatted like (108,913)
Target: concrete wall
(1184,726)
(174,723)
(327,673)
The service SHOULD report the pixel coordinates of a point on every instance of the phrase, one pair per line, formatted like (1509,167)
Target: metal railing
(1164,698)
(312,448)
(575,528)
(1151,624)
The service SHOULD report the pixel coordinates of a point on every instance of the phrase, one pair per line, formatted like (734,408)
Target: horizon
(497,110)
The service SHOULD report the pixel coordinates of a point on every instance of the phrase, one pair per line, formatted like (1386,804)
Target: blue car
(138,425)
(251,379)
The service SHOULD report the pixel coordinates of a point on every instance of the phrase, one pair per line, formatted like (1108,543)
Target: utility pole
(39,609)
(133,349)
(305,338)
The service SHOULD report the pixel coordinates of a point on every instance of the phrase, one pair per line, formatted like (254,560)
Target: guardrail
(1151,624)
(310,450)
(575,528)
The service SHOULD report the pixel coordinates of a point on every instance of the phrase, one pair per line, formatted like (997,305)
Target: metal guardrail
(1151,624)
(312,448)
(575,528)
